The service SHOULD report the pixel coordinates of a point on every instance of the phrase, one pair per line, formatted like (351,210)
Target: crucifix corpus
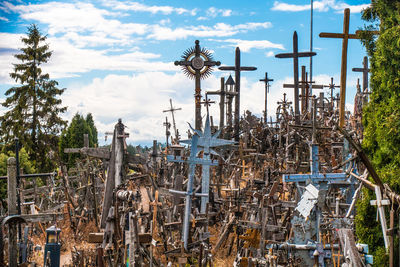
(343,71)
(197,64)
(295,55)
(237,68)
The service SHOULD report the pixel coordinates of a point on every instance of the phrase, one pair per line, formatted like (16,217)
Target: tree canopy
(33,108)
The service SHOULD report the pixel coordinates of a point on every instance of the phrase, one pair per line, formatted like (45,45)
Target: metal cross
(332,87)
(343,71)
(172,110)
(295,55)
(237,68)
(364,71)
(197,63)
(266,81)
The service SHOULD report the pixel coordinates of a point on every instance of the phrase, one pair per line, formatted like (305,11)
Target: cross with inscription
(343,71)
(266,81)
(197,63)
(172,110)
(364,71)
(295,55)
(237,68)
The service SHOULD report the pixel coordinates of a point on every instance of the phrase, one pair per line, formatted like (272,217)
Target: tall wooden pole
(237,90)
(343,70)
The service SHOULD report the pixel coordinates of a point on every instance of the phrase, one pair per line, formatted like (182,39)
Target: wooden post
(391,238)
(12,210)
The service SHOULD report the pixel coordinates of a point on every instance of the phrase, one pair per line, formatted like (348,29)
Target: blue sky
(116,57)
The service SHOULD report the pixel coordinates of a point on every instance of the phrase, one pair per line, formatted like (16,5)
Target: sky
(116,58)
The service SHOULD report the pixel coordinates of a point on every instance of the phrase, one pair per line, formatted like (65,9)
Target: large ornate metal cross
(295,55)
(197,63)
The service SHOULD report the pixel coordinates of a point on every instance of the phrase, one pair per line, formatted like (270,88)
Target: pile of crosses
(248,192)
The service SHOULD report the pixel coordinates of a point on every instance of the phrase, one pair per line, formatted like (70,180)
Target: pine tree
(34,107)
(72,137)
(381,117)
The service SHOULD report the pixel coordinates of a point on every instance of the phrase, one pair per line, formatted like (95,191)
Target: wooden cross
(221,94)
(237,68)
(199,63)
(284,103)
(305,89)
(295,55)
(266,81)
(332,87)
(155,204)
(343,71)
(172,110)
(167,125)
(364,71)
(207,102)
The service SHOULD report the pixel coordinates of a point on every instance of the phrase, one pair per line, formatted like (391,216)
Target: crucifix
(172,110)
(343,71)
(364,71)
(197,63)
(266,81)
(295,55)
(237,68)
(305,89)
(332,87)
(221,94)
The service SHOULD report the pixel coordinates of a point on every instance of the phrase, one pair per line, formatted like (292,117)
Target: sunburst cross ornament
(197,64)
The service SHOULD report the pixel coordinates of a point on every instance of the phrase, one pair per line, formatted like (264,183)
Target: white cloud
(321,6)
(214,12)
(4,19)
(247,45)
(269,54)
(218,30)
(139,7)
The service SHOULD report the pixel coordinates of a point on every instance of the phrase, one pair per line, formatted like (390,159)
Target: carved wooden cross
(295,55)
(266,81)
(197,62)
(364,71)
(237,68)
(343,71)
(172,110)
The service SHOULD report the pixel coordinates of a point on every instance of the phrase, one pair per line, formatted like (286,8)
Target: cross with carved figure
(295,55)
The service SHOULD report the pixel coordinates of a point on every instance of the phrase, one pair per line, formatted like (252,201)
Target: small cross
(332,87)
(167,125)
(172,110)
(207,103)
(364,71)
(266,81)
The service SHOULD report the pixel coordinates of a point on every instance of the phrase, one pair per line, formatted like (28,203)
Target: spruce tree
(381,117)
(33,108)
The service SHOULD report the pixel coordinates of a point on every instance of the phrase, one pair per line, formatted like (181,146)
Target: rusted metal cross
(343,71)
(197,63)
(364,71)
(295,55)
(266,81)
(237,68)
(172,110)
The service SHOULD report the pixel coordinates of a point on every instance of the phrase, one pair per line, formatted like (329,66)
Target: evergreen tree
(72,137)
(381,117)
(33,108)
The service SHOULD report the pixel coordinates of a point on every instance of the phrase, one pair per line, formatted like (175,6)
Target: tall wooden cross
(364,71)
(266,81)
(167,125)
(172,110)
(197,63)
(305,89)
(295,55)
(343,71)
(237,68)
(332,87)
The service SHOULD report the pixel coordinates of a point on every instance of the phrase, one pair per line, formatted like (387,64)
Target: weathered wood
(12,210)
(101,153)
